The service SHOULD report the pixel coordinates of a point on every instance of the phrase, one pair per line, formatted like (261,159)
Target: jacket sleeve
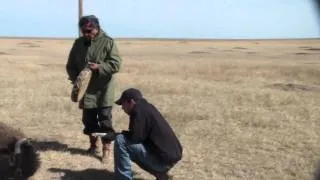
(70,66)
(140,128)
(112,62)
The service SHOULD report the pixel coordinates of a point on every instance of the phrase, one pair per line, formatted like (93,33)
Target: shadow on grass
(317,172)
(309,48)
(83,152)
(4,53)
(294,87)
(49,145)
(57,146)
(199,52)
(87,174)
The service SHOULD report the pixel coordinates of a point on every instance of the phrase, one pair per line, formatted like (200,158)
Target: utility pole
(80,5)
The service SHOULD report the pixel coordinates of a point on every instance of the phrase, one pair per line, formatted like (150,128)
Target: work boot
(93,145)
(106,152)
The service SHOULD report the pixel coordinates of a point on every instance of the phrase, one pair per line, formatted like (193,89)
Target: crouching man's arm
(139,128)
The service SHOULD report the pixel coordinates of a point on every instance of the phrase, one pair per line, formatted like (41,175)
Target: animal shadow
(87,174)
(57,146)
(49,145)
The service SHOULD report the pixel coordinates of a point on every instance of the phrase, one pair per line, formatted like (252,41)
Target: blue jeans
(125,152)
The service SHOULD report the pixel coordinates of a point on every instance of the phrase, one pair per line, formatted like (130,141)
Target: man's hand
(93,66)
(127,134)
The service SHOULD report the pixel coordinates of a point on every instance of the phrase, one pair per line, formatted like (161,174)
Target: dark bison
(19,159)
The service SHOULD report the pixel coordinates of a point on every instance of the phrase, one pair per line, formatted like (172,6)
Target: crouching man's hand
(127,134)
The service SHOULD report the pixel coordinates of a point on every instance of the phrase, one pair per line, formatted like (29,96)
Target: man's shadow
(87,174)
(42,145)
(83,152)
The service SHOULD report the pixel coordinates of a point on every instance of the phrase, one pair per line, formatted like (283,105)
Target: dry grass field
(242,109)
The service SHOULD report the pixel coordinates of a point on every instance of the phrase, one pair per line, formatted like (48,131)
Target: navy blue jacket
(149,127)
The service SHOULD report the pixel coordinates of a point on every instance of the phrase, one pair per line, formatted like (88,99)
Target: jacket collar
(101,34)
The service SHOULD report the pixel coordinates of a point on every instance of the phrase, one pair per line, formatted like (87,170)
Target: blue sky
(220,19)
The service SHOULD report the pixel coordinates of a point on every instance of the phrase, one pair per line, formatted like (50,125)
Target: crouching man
(149,142)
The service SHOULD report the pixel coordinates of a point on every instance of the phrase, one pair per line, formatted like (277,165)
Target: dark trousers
(98,120)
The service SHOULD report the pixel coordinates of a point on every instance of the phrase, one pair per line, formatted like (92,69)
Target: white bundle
(99,134)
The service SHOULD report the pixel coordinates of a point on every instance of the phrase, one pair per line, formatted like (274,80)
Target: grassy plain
(243,109)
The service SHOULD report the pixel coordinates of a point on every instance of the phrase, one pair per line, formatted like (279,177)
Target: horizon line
(161,38)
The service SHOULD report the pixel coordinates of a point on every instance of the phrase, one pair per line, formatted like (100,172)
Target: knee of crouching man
(120,139)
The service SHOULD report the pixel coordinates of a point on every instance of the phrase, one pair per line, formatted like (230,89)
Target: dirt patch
(199,52)
(25,43)
(52,65)
(295,87)
(33,45)
(4,53)
(212,48)
(227,50)
(309,48)
(304,47)
(311,63)
(313,49)
(183,42)
(28,44)
(301,53)
(239,48)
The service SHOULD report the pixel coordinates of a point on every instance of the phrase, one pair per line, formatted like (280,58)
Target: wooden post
(80,4)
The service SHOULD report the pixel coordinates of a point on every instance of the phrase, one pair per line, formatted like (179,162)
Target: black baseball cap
(88,22)
(129,94)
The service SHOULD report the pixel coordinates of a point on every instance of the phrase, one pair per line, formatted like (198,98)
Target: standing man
(99,52)
(149,142)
